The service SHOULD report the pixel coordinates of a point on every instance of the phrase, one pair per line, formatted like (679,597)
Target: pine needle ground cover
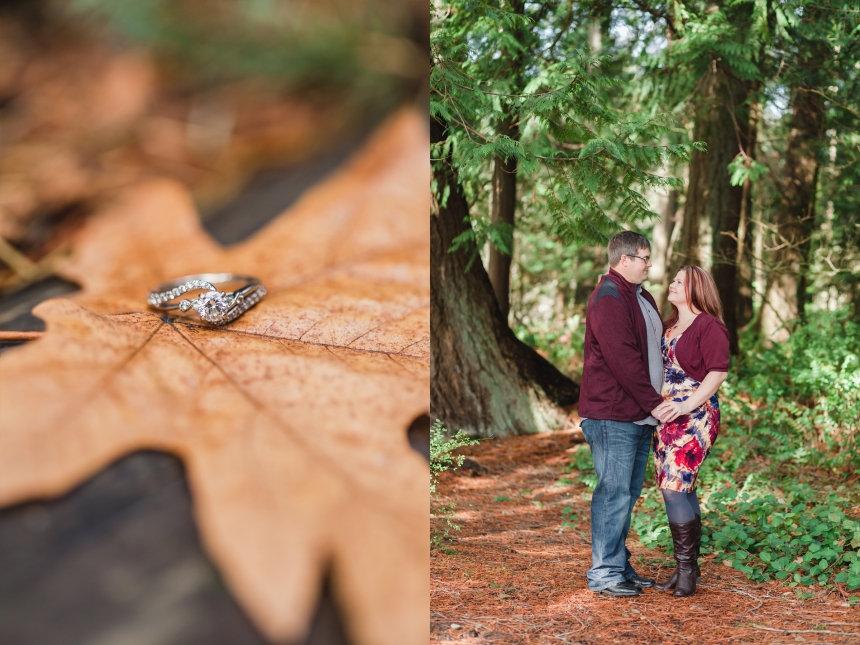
(515,571)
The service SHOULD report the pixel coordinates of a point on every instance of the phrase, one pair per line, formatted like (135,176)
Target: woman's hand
(671,410)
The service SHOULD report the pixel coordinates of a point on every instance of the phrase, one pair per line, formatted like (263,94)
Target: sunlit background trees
(724,131)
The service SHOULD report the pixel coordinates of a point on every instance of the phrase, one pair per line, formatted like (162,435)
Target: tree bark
(504,188)
(793,220)
(724,123)
(688,249)
(729,213)
(743,255)
(662,241)
(482,378)
(504,205)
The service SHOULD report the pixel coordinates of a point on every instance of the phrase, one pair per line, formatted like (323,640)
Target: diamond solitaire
(213,306)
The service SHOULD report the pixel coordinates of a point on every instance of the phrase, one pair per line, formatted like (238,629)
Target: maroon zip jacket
(615,382)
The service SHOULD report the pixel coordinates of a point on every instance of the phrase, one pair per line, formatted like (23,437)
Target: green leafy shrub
(799,401)
(569,518)
(649,520)
(442,447)
(582,462)
(794,538)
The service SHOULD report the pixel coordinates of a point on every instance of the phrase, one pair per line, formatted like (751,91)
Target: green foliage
(581,462)
(442,447)
(569,516)
(499,234)
(550,283)
(797,49)
(441,451)
(349,51)
(789,413)
(800,538)
(649,520)
(800,400)
(588,159)
(742,169)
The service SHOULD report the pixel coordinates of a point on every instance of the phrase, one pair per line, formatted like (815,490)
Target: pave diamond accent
(243,306)
(160,298)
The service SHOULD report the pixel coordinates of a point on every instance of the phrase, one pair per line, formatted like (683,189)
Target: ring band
(213,306)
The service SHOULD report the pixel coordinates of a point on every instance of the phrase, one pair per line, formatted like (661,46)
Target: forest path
(515,575)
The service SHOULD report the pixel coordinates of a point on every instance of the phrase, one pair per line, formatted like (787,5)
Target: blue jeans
(620,452)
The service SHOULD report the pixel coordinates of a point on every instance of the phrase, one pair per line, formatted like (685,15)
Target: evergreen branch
(568,21)
(657,13)
(831,99)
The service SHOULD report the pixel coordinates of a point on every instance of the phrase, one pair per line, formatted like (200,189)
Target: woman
(695,348)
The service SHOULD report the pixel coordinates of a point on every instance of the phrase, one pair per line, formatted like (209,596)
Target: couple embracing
(648,381)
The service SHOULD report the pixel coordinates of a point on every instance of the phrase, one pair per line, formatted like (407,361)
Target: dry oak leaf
(291,421)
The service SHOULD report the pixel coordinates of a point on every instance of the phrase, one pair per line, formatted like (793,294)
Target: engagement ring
(217,307)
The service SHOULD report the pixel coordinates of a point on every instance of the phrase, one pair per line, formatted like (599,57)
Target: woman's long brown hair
(702,294)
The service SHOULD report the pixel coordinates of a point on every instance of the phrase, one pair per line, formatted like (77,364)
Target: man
(620,404)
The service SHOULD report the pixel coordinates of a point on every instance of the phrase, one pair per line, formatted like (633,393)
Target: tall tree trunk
(729,212)
(504,205)
(723,122)
(504,187)
(744,253)
(595,32)
(662,242)
(697,189)
(743,261)
(482,378)
(793,220)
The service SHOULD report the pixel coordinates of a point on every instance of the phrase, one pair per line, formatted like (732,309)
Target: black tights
(681,507)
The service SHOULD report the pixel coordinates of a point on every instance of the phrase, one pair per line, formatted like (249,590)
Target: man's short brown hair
(625,243)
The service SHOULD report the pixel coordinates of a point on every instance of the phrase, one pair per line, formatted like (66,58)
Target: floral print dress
(681,446)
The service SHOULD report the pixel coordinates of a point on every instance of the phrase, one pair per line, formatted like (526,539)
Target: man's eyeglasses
(646,259)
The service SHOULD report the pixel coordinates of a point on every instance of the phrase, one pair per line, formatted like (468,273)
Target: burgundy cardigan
(615,382)
(703,347)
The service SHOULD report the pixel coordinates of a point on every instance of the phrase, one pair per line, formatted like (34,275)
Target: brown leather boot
(684,539)
(669,585)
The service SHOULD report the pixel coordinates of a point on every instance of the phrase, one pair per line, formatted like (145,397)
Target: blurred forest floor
(515,572)
(82,118)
